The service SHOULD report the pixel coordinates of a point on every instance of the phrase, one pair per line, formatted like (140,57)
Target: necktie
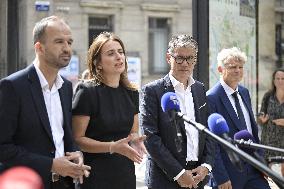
(239,110)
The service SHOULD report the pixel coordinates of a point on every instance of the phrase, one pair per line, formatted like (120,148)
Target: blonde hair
(234,52)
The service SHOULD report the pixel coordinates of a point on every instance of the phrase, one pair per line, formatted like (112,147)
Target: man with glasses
(171,163)
(233,102)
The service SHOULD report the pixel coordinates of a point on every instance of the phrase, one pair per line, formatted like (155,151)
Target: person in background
(171,165)
(232,101)
(35,111)
(105,117)
(271,118)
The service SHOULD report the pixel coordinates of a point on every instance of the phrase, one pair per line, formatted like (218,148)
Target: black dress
(111,112)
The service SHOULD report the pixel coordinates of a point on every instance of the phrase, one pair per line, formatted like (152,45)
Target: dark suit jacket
(164,161)
(25,132)
(220,103)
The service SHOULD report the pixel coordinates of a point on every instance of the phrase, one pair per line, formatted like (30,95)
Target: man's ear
(168,56)
(38,47)
(220,69)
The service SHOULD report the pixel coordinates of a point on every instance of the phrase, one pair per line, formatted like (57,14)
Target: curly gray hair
(180,41)
(234,52)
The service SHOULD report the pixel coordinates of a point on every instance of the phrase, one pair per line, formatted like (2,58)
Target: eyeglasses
(181,59)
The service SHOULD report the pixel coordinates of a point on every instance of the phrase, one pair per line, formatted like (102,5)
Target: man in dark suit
(35,111)
(171,165)
(233,102)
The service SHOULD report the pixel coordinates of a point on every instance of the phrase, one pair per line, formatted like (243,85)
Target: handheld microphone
(170,104)
(244,135)
(218,125)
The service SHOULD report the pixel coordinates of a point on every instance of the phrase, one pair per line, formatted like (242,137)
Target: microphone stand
(255,163)
(251,144)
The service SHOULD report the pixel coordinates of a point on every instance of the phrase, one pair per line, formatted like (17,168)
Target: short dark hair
(39,29)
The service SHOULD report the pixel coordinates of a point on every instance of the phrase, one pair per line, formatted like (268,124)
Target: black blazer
(25,132)
(164,161)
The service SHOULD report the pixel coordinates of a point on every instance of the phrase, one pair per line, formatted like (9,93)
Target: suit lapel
(246,103)
(251,115)
(38,98)
(168,87)
(62,94)
(66,108)
(197,105)
(229,107)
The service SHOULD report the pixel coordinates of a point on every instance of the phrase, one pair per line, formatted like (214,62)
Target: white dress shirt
(54,110)
(229,91)
(187,108)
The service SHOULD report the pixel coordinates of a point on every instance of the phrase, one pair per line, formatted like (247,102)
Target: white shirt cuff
(209,167)
(177,177)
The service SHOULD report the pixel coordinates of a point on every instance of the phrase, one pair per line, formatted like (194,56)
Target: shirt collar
(43,82)
(176,83)
(229,91)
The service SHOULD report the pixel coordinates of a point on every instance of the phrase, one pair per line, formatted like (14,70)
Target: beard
(58,62)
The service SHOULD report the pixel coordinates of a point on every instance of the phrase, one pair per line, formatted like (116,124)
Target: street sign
(42,5)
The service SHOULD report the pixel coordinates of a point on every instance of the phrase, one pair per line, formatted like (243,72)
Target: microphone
(248,142)
(170,104)
(246,136)
(218,125)
(275,159)
(246,157)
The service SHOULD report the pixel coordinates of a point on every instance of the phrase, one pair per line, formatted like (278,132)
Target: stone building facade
(145,26)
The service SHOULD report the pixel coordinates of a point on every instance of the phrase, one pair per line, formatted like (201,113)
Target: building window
(158,42)
(98,24)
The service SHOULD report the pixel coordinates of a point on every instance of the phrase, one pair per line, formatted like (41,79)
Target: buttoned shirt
(187,108)
(54,110)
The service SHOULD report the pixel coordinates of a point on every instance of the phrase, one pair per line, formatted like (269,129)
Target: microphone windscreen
(169,102)
(245,135)
(217,124)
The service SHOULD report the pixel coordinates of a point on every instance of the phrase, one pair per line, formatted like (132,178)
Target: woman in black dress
(105,117)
